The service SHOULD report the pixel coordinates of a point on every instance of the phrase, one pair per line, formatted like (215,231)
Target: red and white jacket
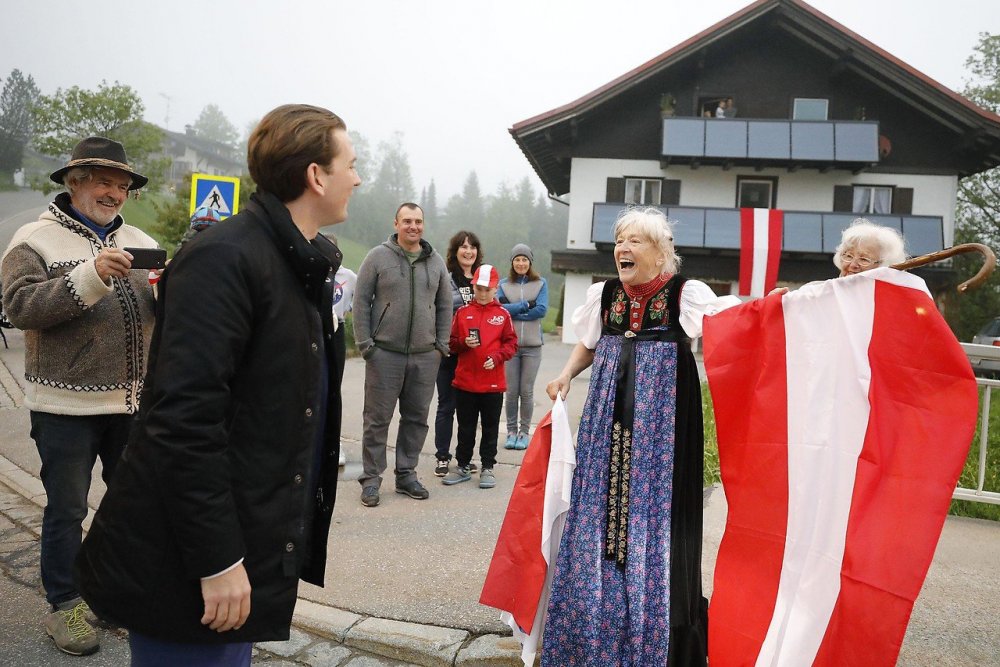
(497,340)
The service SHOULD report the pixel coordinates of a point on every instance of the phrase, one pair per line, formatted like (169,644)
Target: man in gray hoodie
(402,319)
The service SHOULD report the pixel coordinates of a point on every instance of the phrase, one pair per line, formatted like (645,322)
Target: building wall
(803,190)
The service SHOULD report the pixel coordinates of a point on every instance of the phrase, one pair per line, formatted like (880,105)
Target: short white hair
(892,248)
(78,175)
(650,222)
(75,176)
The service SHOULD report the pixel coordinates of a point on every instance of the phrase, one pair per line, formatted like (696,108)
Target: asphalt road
(17,208)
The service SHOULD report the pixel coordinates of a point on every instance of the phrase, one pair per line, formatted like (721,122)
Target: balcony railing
(803,231)
(832,142)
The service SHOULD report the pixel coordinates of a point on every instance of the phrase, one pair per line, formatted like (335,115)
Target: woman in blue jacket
(525,295)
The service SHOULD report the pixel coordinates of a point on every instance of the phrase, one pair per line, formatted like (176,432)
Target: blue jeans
(68,447)
(444,420)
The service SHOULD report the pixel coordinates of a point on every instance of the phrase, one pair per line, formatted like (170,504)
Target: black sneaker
(414,490)
(441,468)
(369,496)
(473,468)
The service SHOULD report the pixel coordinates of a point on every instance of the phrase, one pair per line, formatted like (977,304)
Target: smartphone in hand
(147,258)
(475,334)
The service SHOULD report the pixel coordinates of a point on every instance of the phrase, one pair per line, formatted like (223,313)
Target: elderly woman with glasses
(627,582)
(865,245)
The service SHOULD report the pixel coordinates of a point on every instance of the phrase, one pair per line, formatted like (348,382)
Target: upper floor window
(643,191)
(756,192)
(872,199)
(810,108)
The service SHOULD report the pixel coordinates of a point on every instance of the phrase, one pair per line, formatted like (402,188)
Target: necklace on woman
(640,293)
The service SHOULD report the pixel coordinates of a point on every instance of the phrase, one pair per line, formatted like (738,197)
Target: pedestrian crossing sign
(221,193)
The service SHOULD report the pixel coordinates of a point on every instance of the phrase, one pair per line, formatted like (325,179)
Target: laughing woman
(627,586)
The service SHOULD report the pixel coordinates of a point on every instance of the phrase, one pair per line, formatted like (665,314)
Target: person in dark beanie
(525,295)
(87,317)
(223,498)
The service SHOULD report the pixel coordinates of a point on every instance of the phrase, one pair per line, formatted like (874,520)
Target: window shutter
(843,198)
(616,190)
(670,195)
(902,201)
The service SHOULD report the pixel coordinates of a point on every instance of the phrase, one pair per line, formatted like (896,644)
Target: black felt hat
(100,152)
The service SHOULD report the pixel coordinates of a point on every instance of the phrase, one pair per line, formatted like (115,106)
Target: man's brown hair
(285,142)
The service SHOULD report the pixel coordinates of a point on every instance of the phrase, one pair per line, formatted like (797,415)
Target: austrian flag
(845,411)
(520,574)
(760,250)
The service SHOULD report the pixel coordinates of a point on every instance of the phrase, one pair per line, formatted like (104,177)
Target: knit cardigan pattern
(86,341)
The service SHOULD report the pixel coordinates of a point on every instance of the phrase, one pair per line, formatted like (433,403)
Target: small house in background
(815,121)
(190,153)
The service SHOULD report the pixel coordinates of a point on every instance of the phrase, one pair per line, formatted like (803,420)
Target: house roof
(219,153)
(535,136)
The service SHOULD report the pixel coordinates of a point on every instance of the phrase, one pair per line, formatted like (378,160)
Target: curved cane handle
(989,263)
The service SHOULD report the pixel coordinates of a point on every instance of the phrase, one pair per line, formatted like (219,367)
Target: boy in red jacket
(483,337)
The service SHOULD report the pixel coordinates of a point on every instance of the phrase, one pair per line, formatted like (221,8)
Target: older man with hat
(87,318)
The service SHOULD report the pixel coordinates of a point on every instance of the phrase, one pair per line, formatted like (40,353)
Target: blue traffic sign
(221,193)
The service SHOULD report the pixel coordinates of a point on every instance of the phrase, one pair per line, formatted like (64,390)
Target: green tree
(394,180)
(172,216)
(212,124)
(17,98)
(113,111)
(372,206)
(428,199)
(465,210)
(977,218)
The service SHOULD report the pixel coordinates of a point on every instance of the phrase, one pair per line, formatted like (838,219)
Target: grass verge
(969,478)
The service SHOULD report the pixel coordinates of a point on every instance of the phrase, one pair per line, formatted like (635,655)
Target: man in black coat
(223,497)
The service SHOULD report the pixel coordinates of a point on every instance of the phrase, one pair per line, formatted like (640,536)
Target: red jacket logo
(496,320)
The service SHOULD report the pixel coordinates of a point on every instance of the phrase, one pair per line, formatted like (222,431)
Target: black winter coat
(220,462)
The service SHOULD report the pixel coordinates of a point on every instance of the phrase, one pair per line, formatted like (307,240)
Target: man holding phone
(69,284)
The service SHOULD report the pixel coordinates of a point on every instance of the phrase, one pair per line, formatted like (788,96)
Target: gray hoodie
(400,306)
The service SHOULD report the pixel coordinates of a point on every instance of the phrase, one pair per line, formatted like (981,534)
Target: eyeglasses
(862,261)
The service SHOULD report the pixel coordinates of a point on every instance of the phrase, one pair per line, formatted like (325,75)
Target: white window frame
(650,191)
(810,100)
(755,181)
(867,194)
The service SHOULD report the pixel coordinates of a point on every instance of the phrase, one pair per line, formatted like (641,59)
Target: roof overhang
(543,139)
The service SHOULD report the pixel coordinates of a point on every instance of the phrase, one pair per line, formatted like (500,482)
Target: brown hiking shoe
(70,630)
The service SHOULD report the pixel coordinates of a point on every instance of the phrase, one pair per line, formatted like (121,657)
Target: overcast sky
(451,75)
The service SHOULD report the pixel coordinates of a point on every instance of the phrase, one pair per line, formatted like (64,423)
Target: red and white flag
(520,574)
(845,411)
(760,250)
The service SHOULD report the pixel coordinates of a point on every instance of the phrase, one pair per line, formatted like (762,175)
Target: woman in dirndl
(627,584)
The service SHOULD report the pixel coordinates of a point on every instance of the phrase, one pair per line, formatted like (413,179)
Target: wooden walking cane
(975,281)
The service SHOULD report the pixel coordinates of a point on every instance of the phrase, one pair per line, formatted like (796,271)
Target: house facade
(191,154)
(777,106)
